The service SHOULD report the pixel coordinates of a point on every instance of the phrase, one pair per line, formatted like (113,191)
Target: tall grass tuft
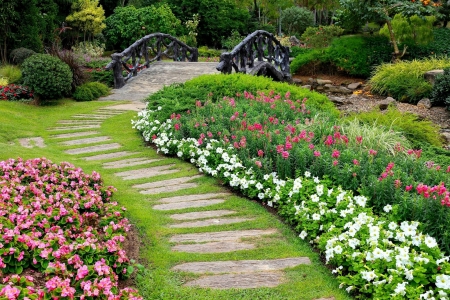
(11,73)
(404,80)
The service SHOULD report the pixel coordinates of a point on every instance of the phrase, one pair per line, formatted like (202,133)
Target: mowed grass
(313,281)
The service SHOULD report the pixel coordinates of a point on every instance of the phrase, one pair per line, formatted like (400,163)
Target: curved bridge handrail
(140,49)
(260,46)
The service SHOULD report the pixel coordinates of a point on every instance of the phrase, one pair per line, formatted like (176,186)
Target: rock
(324,81)
(386,102)
(430,76)
(306,86)
(338,100)
(446,135)
(354,86)
(297,81)
(294,41)
(337,89)
(424,103)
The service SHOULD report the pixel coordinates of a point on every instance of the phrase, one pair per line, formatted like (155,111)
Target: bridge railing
(259,51)
(138,56)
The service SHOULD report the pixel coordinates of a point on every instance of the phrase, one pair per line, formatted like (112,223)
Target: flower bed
(59,221)
(257,143)
(14,92)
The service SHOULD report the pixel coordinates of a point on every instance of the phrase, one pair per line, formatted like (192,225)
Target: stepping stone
(169,189)
(188,204)
(32,142)
(91,116)
(213,247)
(128,162)
(93,149)
(79,122)
(174,181)
(209,222)
(220,236)
(135,106)
(195,197)
(242,266)
(331,298)
(75,134)
(110,155)
(239,281)
(111,112)
(147,172)
(86,141)
(202,214)
(74,127)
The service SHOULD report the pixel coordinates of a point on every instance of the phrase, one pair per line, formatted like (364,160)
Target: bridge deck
(158,75)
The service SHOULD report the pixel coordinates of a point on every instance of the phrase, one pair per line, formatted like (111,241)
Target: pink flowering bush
(59,221)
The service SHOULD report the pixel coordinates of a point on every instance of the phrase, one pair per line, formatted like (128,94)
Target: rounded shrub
(83,93)
(98,89)
(47,76)
(19,55)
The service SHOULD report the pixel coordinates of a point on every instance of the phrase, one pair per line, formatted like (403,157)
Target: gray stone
(74,127)
(242,266)
(93,149)
(339,100)
(337,89)
(220,236)
(209,222)
(307,86)
(128,162)
(110,155)
(74,134)
(32,142)
(169,189)
(354,85)
(214,247)
(134,106)
(239,281)
(91,116)
(93,140)
(147,172)
(174,181)
(297,81)
(323,81)
(202,214)
(384,104)
(79,122)
(430,76)
(194,197)
(188,204)
(424,103)
(294,40)
(111,112)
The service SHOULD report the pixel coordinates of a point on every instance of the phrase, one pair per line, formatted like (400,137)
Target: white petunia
(409,274)
(307,174)
(319,190)
(400,289)
(430,242)
(315,198)
(316,179)
(316,217)
(303,234)
(261,196)
(392,226)
(368,275)
(443,281)
(387,208)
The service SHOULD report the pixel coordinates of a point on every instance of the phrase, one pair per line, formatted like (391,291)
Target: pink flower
(82,272)
(260,153)
(285,154)
(317,153)
(335,154)
(329,141)
(311,146)
(356,162)
(372,152)
(10,292)
(335,162)
(177,126)
(258,163)
(288,146)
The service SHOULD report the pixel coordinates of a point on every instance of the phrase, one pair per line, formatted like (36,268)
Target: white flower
(430,241)
(400,289)
(439,261)
(353,243)
(409,274)
(392,226)
(349,288)
(316,217)
(303,234)
(307,174)
(329,192)
(219,150)
(360,200)
(368,275)
(387,208)
(261,196)
(179,154)
(319,189)
(443,281)
(316,179)
(337,249)
(315,198)
(259,186)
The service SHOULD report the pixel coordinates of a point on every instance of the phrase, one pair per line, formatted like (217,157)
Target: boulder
(336,89)
(384,104)
(297,81)
(294,41)
(324,81)
(430,76)
(306,86)
(424,103)
(339,100)
(354,86)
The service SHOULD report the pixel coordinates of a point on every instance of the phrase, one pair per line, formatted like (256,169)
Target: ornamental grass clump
(59,221)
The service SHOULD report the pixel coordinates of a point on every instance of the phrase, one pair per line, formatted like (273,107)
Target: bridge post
(116,66)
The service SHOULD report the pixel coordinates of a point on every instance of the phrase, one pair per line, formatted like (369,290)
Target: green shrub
(83,93)
(357,54)
(233,40)
(413,29)
(296,50)
(12,73)
(99,75)
(440,46)
(320,37)
(419,132)
(47,76)
(19,55)
(308,62)
(91,49)
(296,19)
(404,80)
(79,76)
(181,97)
(441,89)
(98,89)
(204,51)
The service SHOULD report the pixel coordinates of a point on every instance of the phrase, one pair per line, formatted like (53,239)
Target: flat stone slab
(79,122)
(188,204)
(32,142)
(93,140)
(110,155)
(134,106)
(129,162)
(209,222)
(202,214)
(147,172)
(163,183)
(331,298)
(73,135)
(74,127)
(220,236)
(91,116)
(242,266)
(213,247)
(194,197)
(93,149)
(239,281)
(169,189)
(110,112)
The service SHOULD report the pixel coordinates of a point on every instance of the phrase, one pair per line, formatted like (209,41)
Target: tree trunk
(397,55)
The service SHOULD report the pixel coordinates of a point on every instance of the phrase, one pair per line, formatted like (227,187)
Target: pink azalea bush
(57,220)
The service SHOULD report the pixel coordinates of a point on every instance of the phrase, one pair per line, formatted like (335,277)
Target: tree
(415,29)
(296,19)
(88,16)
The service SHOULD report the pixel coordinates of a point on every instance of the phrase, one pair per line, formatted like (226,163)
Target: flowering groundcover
(57,220)
(252,144)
